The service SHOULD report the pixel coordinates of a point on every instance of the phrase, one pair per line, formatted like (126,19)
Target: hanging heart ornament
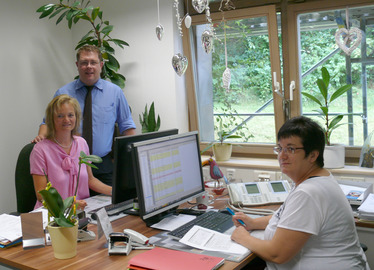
(348,40)
(207,41)
(179,63)
(199,5)
(159,31)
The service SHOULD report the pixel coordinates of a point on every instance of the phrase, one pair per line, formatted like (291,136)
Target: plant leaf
(322,88)
(53,201)
(342,90)
(325,76)
(312,98)
(95,12)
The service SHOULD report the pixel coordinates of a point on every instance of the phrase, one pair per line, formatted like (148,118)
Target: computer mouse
(94,216)
(224,211)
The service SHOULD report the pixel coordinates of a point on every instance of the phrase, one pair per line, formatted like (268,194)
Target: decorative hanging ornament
(178,17)
(348,39)
(179,63)
(159,27)
(226,79)
(159,31)
(207,41)
(187,21)
(199,5)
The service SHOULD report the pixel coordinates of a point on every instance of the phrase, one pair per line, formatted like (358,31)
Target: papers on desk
(10,230)
(366,209)
(172,222)
(206,239)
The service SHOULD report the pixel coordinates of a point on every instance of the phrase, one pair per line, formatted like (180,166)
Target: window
(253,55)
(318,48)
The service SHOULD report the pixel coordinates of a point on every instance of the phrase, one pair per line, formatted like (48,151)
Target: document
(368,205)
(10,228)
(172,222)
(206,239)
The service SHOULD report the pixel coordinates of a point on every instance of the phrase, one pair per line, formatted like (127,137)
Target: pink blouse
(61,168)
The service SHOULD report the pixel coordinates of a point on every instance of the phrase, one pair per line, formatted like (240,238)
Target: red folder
(168,259)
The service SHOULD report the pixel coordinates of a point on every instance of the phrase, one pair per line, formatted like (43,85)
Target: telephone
(258,193)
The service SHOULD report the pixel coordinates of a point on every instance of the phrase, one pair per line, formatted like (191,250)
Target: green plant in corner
(324,101)
(98,35)
(64,211)
(148,119)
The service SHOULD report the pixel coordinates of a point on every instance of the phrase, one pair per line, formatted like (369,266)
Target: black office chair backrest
(25,192)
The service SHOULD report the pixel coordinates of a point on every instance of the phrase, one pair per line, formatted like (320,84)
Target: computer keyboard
(114,209)
(212,220)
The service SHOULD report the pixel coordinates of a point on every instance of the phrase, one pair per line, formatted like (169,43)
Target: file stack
(366,209)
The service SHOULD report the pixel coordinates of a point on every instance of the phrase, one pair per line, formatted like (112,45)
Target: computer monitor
(124,187)
(168,173)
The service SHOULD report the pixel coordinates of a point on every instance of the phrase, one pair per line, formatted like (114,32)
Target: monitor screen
(124,187)
(168,173)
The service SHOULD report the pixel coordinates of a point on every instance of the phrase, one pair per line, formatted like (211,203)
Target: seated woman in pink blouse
(58,154)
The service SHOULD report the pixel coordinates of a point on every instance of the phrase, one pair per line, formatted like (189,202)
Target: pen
(232,213)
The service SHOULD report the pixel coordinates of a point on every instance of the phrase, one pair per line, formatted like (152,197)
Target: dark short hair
(310,133)
(89,48)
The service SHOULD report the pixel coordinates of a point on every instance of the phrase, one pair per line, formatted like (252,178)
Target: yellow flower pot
(64,241)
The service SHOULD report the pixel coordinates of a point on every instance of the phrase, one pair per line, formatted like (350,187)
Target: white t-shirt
(319,207)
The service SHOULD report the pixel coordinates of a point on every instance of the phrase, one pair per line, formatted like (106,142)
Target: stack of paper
(10,230)
(366,209)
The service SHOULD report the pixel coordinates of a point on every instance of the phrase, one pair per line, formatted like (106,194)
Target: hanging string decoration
(226,76)
(348,39)
(159,27)
(179,20)
(209,35)
(187,19)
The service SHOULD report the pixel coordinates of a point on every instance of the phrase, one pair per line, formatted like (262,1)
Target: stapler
(83,233)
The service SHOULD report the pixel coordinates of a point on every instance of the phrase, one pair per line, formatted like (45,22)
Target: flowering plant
(64,211)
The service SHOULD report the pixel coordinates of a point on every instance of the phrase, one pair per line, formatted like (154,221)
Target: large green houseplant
(63,229)
(323,99)
(99,35)
(334,155)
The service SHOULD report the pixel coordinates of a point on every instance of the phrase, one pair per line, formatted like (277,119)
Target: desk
(91,254)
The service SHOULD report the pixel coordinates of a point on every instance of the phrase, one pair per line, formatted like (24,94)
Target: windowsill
(272,164)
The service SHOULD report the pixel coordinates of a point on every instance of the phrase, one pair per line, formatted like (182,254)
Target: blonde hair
(52,109)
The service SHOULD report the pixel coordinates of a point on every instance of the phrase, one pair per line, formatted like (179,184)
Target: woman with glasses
(314,228)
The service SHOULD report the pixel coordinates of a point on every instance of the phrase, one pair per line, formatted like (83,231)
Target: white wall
(38,57)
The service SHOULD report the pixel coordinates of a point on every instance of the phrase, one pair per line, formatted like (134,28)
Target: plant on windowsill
(148,120)
(221,149)
(323,99)
(99,35)
(63,229)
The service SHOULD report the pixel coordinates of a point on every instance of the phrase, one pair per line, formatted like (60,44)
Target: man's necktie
(87,118)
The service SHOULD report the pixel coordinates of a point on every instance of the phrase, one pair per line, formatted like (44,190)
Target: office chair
(25,192)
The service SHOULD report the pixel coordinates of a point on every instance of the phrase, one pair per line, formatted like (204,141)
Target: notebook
(168,259)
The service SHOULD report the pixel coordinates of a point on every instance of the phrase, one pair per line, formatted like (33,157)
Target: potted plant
(63,229)
(221,149)
(148,119)
(334,155)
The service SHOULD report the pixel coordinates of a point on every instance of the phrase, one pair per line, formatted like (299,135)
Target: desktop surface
(93,254)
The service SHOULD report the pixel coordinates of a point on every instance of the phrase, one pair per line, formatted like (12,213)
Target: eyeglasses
(86,63)
(286,150)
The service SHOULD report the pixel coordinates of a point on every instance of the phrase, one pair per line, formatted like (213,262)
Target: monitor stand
(157,218)
(132,211)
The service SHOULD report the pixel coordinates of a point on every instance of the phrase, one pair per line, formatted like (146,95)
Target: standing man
(108,106)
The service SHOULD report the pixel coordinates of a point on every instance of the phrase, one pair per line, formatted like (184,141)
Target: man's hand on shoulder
(38,138)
